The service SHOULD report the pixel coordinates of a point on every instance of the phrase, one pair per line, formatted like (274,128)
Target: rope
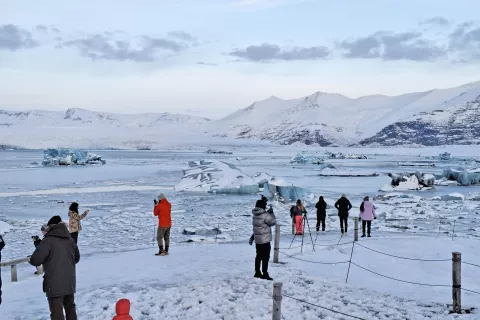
(399,280)
(470,291)
(331,310)
(471,264)
(319,262)
(405,258)
(276,306)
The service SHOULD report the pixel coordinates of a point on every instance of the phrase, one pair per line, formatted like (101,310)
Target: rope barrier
(471,264)
(471,291)
(318,262)
(400,257)
(399,280)
(331,310)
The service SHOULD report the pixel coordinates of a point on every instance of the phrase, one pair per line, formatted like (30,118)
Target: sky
(212,57)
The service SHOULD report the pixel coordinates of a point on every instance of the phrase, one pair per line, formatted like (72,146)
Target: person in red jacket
(163,210)
(122,309)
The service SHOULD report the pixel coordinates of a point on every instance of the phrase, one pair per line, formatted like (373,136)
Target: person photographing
(163,210)
(262,222)
(74,218)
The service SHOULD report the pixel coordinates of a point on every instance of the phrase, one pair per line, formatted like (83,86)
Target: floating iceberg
(445,156)
(465,177)
(212,151)
(340,155)
(416,164)
(283,189)
(328,172)
(409,181)
(67,157)
(302,159)
(216,177)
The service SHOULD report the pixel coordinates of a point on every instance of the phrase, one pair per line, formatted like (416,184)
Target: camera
(35,238)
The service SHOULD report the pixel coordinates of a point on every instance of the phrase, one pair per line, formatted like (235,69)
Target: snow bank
(67,157)
(4,227)
(464,177)
(216,177)
(328,172)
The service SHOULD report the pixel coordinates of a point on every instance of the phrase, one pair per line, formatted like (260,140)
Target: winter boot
(258,274)
(266,276)
(160,251)
(363,235)
(318,229)
(342,231)
(369,235)
(166,251)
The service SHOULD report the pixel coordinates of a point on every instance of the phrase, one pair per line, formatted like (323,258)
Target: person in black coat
(58,253)
(343,206)
(321,213)
(2,245)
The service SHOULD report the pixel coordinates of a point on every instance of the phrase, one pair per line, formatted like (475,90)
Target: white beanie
(161,196)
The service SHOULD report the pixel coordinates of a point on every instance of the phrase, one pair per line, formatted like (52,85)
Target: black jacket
(321,208)
(343,205)
(58,253)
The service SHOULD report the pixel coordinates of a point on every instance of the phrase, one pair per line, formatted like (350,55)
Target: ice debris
(216,177)
(409,181)
(450,197)
(416,164)
(340,155)
(302,159)
(445,156)
(464,177)
(202,231)
(328,172)
(67,157)
(212,151)
(4,227)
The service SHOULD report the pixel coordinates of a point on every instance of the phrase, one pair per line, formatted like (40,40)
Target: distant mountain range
(435,117)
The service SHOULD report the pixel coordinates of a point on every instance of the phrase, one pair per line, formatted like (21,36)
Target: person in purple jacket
(367,214)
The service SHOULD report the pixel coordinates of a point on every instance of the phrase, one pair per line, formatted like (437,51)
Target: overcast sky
(211,57)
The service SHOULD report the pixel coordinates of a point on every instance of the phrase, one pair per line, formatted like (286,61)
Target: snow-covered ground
(209,272)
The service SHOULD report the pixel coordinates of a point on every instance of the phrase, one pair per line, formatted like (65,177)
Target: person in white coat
(262,221)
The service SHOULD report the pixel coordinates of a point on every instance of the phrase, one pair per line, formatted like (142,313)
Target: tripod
(305,221)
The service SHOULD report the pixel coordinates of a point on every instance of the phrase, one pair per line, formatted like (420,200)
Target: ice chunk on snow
(453,196)
(463,177)
(404,183)
(4,227)
(328,172)
(67,157)
(216,177)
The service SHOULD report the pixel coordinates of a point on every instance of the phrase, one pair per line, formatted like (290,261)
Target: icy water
(120,197)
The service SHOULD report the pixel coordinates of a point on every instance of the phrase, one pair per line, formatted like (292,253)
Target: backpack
(292,208)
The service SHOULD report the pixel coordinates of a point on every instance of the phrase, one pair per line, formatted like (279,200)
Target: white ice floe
(67,157)
(216,177)
(404,183)
(450,197)
(328,172)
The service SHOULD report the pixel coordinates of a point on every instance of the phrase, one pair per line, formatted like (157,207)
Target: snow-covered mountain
(435,117)
(89,129)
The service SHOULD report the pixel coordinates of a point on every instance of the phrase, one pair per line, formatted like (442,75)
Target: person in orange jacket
(122,309)
(163,210)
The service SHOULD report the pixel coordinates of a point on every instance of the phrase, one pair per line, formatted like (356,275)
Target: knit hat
(344,195)
(161,196)
(54,220)
(261,204)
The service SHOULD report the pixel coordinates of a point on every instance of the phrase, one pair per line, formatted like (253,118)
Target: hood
(258,211)
(123,307)
(367,204)
(58,230)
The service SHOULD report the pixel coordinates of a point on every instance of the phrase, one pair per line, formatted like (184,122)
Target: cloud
(384,45)
(465,41)
(182,35)
(436,21)
(271,52)
(206,63)
(107,47)
(13,38)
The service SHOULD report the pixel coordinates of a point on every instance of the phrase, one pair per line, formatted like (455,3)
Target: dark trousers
(263,255)
(0,281)
(321,219)
(368,224)
(74,236)
(57,305)
(343,223)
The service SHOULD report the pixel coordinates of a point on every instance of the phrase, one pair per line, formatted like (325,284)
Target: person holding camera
(58,253)
(321,213)
(343,206)
(262,222)
(367,214)
(163,210)
(2,245)
(298,213)
(37,240)
(74,224)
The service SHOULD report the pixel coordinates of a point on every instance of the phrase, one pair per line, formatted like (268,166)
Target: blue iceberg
(68,157)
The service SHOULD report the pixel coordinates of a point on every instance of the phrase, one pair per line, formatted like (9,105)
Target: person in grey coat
(58,253)
(262,230)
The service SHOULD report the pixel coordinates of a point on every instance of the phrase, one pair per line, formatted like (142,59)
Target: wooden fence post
(14,272)
(355,231)
(457,281)
(277,244)
(277,301)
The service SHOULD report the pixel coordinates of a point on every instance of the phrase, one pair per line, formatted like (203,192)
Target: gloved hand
(251,240)
(374,218)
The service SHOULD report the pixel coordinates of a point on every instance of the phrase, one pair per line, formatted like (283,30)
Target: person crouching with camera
(262,221)
(36,242)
